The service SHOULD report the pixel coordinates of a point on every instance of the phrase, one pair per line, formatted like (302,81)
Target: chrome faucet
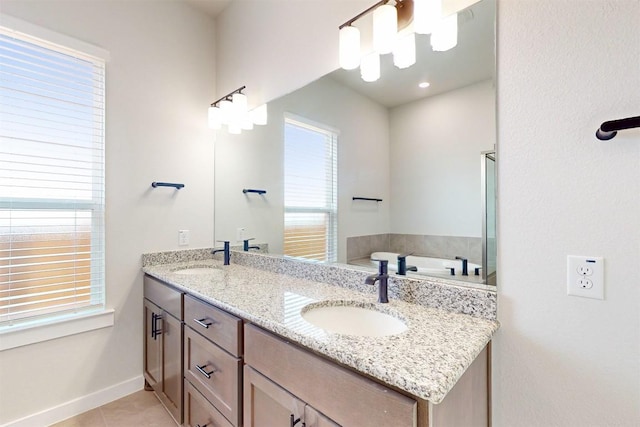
(226,250)
(383,278)
(246,247)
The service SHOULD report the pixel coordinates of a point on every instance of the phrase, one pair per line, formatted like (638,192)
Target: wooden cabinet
(198,411)
(212,357)
(345,397)
(163,344)
(268,405)
(209,368)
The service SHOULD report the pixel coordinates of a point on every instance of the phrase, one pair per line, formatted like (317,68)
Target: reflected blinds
(51,180)
(310,192)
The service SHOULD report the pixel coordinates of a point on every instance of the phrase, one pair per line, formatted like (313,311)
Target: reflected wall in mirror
(416,149)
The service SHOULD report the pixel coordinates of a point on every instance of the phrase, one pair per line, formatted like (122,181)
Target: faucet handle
(405,255)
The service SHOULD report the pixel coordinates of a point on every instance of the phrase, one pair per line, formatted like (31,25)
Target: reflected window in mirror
(310,190)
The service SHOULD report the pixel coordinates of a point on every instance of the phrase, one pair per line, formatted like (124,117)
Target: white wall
(255,158)
(160,80)
(435,161)
(256,39)
(564,66)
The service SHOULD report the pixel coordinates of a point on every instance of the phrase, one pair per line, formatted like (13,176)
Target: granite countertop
(426,360)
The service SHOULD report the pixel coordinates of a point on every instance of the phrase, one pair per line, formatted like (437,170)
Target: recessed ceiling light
(424,85)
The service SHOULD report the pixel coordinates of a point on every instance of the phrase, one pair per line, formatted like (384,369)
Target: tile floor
(139,409)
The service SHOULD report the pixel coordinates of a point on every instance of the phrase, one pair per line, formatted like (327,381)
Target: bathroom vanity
(247,357)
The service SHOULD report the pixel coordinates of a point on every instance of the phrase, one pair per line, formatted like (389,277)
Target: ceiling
(210,7)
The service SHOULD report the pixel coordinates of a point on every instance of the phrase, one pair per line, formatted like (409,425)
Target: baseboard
(80,405)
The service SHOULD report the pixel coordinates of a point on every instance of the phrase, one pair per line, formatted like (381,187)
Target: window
(51,181)
(310,190)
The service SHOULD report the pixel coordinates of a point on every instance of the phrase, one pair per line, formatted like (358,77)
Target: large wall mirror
(425,155)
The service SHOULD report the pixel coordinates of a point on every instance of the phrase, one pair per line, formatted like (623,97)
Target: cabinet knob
(203,372)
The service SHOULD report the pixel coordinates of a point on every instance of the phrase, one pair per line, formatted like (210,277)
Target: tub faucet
(465,265)
(383,278)
(246,247)
(226,250)
(403,267)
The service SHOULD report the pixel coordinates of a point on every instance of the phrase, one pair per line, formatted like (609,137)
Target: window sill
(32,334)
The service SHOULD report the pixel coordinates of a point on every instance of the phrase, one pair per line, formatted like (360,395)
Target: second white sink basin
(353,320)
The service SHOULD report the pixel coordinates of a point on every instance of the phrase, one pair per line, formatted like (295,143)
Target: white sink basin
(353,320)
(197,271)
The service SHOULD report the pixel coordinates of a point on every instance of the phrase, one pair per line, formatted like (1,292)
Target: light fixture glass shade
(215,118)
(247,122)
(370,67)
(234,128)
(226,111)
(239,101)
(385,28)
(445,35)
(259,115)
(426,15)
(349,48)
(404,51)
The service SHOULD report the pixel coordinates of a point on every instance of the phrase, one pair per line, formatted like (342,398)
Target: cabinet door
(313,418)
(172,365)
(152,345)
(268,405)
(198,412)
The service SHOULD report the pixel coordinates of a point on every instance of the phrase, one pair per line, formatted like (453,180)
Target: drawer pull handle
(202,323)
(198,425)
(294,421)
(203,372)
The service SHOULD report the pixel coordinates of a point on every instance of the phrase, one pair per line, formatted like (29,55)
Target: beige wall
(160,80)
(564,66)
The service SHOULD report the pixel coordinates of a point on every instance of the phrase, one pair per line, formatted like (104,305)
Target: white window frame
(64,324)
(332,209)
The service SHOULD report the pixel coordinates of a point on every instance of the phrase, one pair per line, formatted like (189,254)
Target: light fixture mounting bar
(363,13)
(228,96)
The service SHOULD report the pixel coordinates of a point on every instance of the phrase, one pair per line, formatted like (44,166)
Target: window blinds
(51,180)
(310,191)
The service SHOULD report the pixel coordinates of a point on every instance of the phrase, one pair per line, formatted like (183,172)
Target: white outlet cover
(582,271)
(183,237)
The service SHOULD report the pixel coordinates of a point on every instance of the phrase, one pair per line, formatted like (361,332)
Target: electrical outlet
(183,237)
(240,234)
(585,276)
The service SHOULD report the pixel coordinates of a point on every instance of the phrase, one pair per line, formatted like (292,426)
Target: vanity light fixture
(370,67)
(426,14)
(445,34)
(232,110)
(385,28)
(395,25)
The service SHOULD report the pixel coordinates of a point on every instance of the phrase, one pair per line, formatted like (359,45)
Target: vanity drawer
(348,398)
(220,327)
(163,296)
(199,412)
(214,373)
